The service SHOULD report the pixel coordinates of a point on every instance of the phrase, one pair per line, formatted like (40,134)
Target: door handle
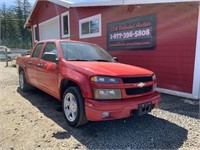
(40,65)
(30,62)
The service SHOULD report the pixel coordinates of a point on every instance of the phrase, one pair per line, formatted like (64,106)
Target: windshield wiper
(100,60)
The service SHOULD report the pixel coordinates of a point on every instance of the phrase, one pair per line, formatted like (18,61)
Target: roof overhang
(68,4)
(126,2)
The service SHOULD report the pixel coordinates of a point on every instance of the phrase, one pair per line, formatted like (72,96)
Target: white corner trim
(196,78)
(90,34)
(176,93)
(62,27)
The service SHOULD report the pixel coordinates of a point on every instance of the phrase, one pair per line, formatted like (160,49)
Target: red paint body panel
(111,69)
(49,76)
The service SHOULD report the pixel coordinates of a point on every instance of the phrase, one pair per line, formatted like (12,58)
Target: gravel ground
(34,120)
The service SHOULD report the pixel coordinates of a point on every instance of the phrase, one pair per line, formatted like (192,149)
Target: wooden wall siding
(173,57)
(48,10)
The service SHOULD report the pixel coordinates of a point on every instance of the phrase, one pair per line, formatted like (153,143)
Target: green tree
(3,11)
(13,19)
(27,33)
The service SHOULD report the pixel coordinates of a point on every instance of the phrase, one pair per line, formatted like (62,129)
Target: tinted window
(37,50)
(51,47)
(65,24)
(85,28)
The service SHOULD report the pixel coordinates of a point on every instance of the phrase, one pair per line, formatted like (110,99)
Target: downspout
(196,78)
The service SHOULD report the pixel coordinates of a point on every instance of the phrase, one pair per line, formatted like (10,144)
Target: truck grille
(137,79)
(137,91)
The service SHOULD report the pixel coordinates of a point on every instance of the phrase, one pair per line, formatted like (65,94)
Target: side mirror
(48,56)
(115,59)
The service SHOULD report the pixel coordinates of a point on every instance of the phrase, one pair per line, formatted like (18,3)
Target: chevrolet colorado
(91,85)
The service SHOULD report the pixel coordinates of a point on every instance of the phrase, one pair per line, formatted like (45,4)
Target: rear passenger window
(51,47)
(37,50)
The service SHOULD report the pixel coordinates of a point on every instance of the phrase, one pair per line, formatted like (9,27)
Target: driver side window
(50,47)
(37,50)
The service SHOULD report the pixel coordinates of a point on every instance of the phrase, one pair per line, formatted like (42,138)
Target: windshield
(84,52)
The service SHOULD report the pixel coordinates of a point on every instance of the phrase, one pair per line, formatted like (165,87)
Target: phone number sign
(134,33)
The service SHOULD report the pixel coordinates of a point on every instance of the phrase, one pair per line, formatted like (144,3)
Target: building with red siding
(160,35)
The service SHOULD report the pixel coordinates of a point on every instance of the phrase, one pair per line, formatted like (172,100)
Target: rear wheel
(73,107)
(9,58)
(23,84)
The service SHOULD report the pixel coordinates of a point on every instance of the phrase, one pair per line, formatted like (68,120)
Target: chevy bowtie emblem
(141,84)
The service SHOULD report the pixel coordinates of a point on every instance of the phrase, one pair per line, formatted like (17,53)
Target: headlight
(154,77)
(107,93)
(104,79)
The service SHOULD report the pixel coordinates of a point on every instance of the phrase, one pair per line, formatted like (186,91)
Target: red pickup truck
(91,84)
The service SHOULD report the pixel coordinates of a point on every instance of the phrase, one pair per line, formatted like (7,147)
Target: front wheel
(73,107)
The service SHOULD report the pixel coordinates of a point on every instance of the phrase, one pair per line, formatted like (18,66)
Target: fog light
(105,114)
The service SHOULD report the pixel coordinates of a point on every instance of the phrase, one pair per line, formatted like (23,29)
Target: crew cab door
(48,72)
(32,64)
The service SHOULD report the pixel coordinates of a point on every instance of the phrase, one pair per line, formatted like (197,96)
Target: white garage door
(50,29)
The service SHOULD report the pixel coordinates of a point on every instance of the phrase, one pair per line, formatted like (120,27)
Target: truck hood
(108,69)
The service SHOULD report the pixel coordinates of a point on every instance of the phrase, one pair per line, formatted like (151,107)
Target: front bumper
(117,108)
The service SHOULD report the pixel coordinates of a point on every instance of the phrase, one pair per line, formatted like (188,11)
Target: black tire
(23,84)
(9,58)
(77,107)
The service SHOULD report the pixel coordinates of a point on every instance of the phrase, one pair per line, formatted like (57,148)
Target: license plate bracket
(144,108)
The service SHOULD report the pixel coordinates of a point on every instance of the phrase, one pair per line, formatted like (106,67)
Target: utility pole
(6,50)
(1,16)
(0,30)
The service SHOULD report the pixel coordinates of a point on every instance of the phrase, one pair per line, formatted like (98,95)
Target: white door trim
(47,21)
(176,93)
(196,78)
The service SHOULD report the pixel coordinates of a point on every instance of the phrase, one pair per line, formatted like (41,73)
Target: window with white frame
(35,36)
(65,25)
(90,27)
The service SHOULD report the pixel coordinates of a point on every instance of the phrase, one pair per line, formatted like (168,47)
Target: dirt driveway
(34,120)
